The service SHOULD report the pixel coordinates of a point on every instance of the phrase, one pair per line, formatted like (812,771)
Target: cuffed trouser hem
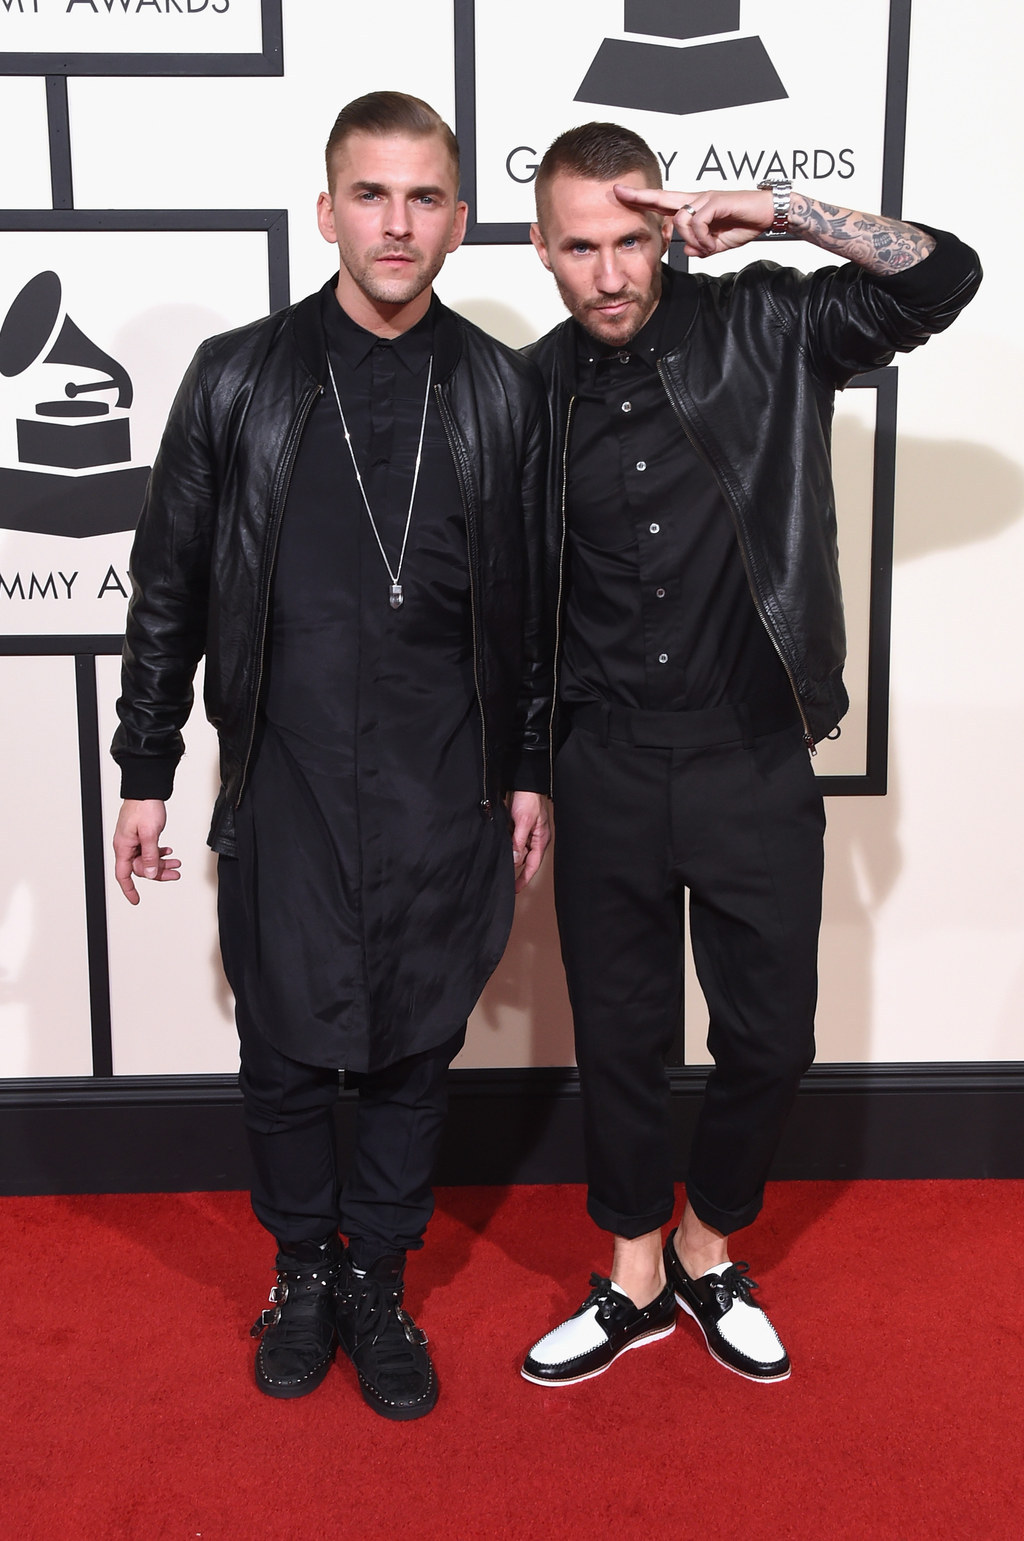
(629,1226)
(724,1220)
(740,826)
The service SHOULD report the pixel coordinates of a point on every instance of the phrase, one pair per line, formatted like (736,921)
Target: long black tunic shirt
(381,899)
(659,614)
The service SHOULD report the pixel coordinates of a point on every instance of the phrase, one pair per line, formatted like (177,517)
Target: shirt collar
(663,330)
(355,344)
(645,347)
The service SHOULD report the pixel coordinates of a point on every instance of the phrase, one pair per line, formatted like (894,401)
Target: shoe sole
(399,1412)
(761,1380)
(286,1391)
(637,1342)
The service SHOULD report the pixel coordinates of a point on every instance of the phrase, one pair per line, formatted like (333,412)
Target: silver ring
(689,208)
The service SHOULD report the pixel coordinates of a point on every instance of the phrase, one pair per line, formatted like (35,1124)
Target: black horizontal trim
(141,219)
(974,1075)
(116,1091)
(59,646)
(517,234)
(140,65)
(144,1134)
(852,786)
(528,1081)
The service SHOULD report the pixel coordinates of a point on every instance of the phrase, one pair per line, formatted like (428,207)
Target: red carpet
(129,1409)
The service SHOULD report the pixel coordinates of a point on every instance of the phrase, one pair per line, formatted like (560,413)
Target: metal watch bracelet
(781,190)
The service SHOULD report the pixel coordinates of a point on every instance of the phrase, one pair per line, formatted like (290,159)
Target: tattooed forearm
(878,244)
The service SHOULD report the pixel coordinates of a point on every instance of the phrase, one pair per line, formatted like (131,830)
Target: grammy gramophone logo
(67,457)
(655,77)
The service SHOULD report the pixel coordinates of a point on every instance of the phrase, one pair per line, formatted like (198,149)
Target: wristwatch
(781,190)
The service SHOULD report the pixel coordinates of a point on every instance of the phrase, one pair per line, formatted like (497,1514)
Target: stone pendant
(397,597)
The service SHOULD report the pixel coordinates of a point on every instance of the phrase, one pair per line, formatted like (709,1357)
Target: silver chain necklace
(397,597)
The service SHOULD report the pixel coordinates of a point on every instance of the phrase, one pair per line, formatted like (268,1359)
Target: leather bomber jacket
(203,556)
(752,380)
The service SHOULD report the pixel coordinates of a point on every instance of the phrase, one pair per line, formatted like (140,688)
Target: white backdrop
(922,948)
(831,118)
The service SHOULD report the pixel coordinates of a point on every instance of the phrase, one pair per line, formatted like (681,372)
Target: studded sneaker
(297,1333)
(605,1326)
(737,1332)
(388,1350)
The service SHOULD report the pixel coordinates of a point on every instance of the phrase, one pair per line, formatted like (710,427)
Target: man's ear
(325,218)
(667,231)
(539,245)
(459,228)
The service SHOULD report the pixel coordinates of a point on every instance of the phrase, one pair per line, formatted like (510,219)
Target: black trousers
(739,822)
(386,1199)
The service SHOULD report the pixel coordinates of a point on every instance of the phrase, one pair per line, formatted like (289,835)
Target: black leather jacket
(752,379)
(204,550)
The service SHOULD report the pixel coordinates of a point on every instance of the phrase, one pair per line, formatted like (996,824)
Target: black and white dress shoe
(738,1333)
(606,1324)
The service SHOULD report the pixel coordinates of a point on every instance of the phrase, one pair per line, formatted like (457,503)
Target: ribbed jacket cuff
(530,772)
(142,777)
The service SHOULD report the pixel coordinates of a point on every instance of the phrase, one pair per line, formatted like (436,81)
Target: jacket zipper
(456,446)
(280,493)
(558,600)
(808,737)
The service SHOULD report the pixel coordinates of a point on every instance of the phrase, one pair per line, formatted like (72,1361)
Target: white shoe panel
(747,1329)
(579,1335)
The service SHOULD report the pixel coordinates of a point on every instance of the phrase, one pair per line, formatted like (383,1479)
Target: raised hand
(707,222)
(714,222)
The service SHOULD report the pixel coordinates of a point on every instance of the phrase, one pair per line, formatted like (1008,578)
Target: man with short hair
(345,517)
(702,654)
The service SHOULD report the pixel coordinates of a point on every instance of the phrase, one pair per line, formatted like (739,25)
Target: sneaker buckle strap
(264,1320)
(413,1333)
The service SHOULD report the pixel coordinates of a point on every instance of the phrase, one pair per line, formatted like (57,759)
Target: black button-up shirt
(378,898)
(659,614)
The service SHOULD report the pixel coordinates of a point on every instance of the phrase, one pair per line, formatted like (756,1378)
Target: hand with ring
(707,222)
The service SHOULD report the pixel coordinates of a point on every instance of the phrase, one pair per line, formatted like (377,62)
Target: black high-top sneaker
(388,1350)
(297,1334)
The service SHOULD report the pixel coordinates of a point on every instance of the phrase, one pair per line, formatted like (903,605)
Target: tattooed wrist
(874,242)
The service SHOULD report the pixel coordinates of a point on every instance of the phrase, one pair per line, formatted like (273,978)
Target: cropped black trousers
(734,816)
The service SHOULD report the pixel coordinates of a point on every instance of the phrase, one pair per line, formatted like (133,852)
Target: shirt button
(641,465)
(627,406)
(663,658)
(660,593)
(655,528)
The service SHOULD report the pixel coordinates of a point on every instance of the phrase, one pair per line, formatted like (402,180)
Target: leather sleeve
(165,633)
(853,322)
(529,763)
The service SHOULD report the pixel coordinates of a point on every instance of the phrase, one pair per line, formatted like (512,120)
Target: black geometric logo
(73,475)
(702,78)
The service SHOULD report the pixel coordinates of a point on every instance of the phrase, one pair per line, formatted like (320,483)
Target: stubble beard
(617,332)
(398,290)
